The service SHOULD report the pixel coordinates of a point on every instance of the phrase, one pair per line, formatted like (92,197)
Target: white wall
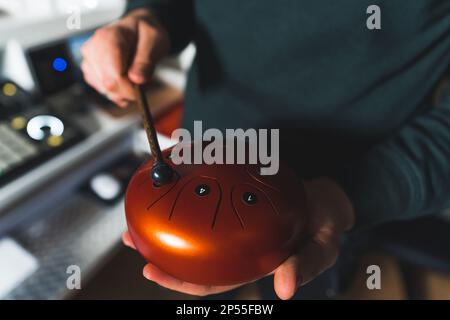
(35,21)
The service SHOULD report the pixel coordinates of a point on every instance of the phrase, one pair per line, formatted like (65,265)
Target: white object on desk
(16,264)
(106,186)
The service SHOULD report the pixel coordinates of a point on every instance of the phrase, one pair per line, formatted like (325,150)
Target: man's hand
(123,53)
(330,213)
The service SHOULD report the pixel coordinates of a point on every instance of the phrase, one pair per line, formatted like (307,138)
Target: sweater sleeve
(176,16)
(406,176)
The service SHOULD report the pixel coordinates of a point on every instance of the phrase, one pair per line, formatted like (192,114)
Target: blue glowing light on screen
(59,64)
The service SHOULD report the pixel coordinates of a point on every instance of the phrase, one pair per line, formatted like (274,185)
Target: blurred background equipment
(66,152)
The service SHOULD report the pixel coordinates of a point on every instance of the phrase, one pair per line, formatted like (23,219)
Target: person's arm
(405,176)
(126,51)
(177,16)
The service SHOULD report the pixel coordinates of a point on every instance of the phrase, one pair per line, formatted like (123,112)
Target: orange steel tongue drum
(218,224)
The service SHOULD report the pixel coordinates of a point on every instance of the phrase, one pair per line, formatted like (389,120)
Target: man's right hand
(124,53)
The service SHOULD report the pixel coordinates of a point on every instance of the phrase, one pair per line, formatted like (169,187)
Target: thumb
(142,63)
(287,278)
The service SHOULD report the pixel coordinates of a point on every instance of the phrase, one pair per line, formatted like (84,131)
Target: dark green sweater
(351,103)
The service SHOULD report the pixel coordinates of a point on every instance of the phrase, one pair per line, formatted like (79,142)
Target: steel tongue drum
(219,224)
